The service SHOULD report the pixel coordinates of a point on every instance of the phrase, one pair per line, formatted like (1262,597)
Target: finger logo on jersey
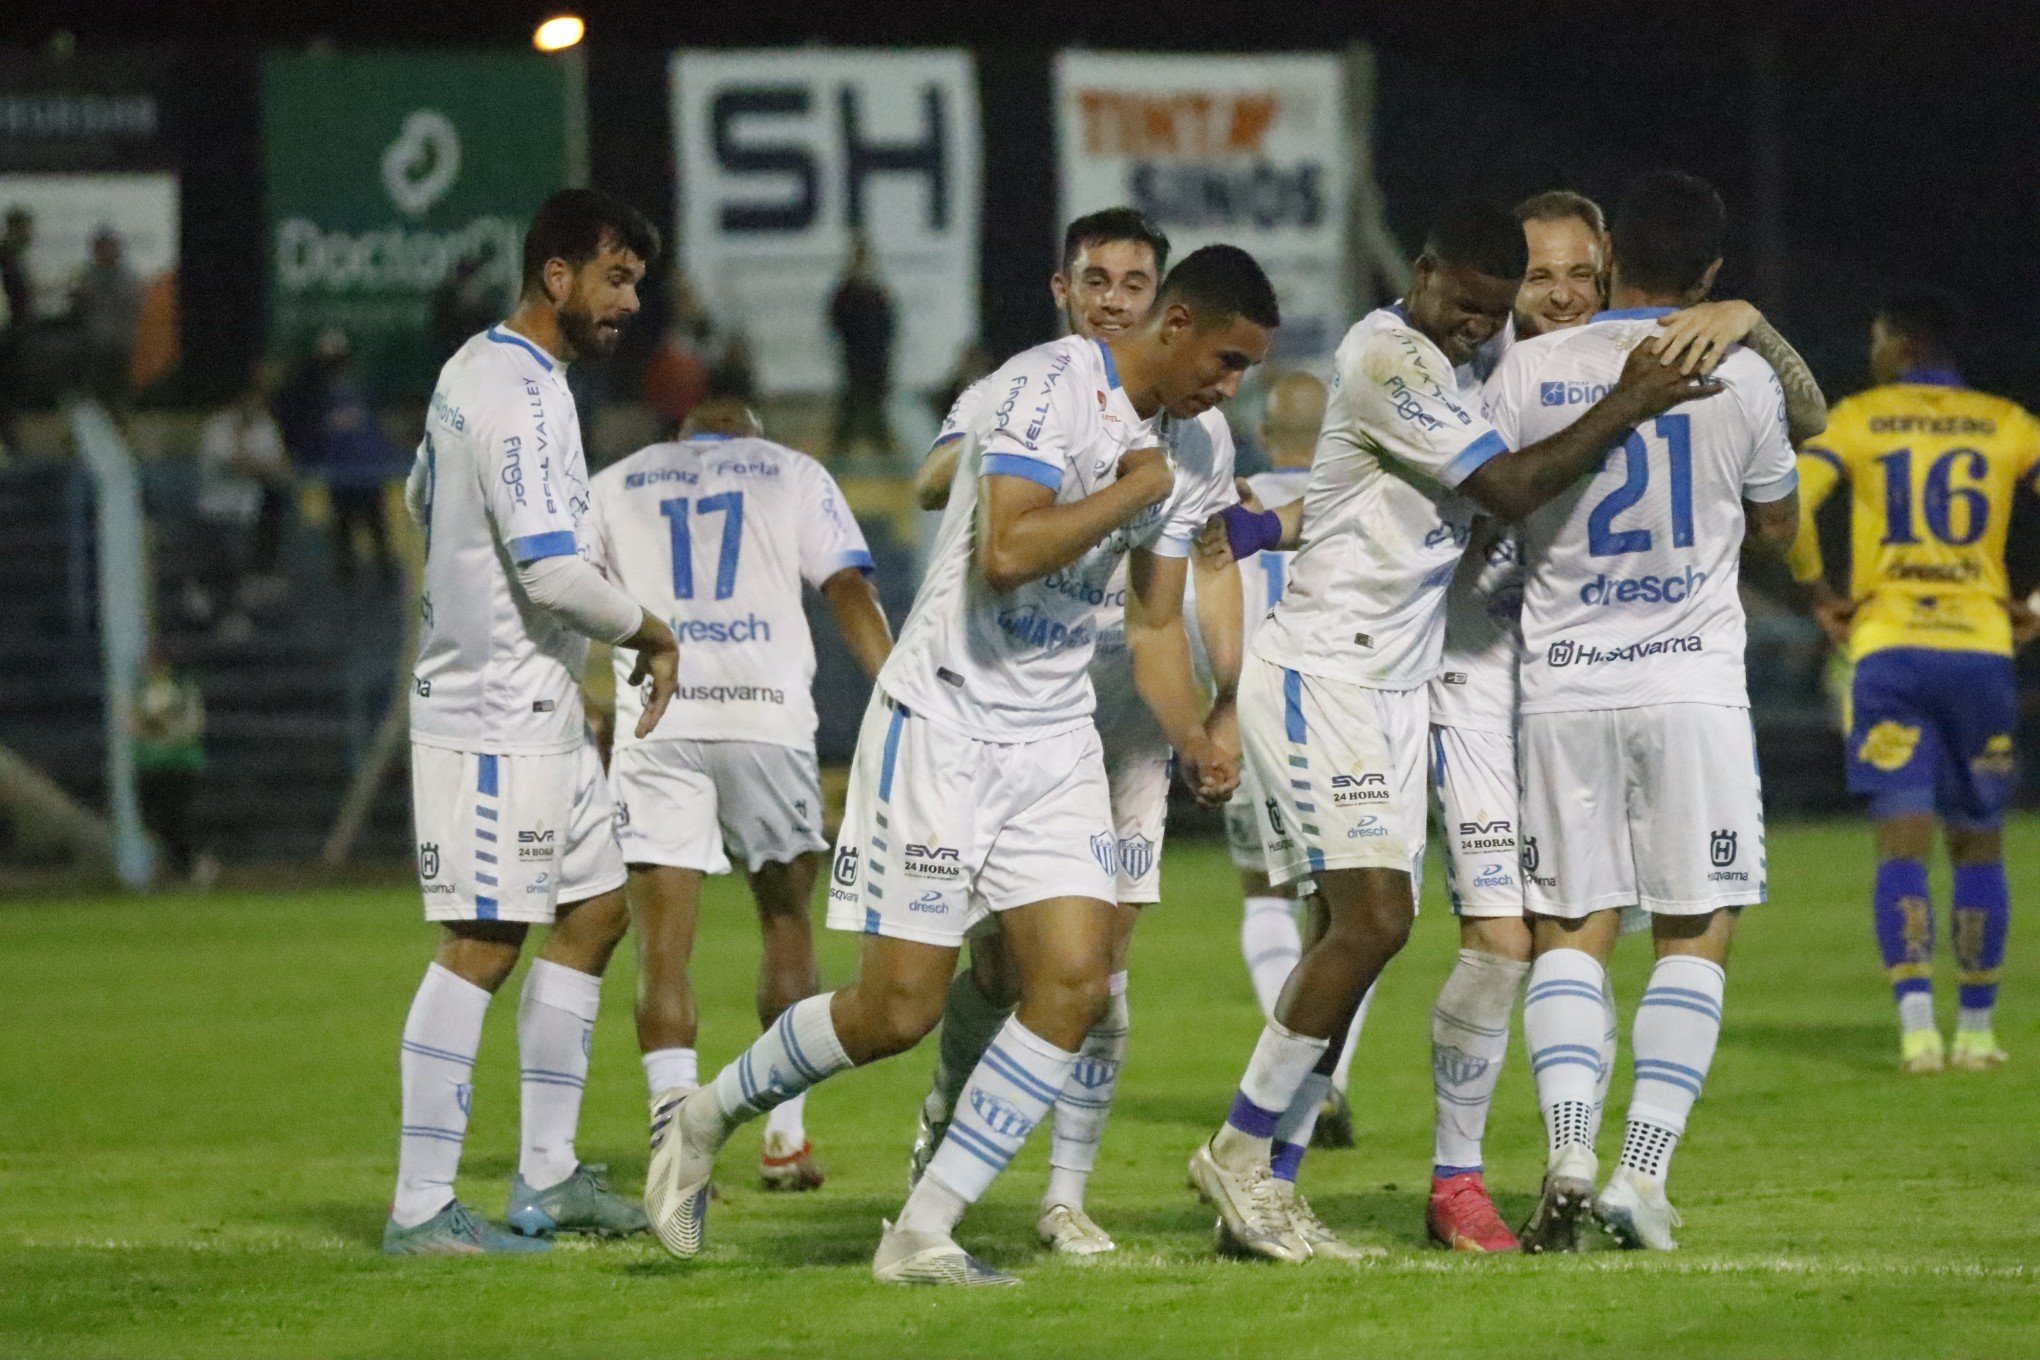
(1000,1116)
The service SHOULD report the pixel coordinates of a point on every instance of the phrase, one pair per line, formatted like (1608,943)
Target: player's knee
(1906,837)
(1976,846)
(897,1018)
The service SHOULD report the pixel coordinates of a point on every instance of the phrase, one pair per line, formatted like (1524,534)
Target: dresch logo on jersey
(1604,591)
(750,628)
(1370,787)
(1493,876)
(1571,393)
(934,861)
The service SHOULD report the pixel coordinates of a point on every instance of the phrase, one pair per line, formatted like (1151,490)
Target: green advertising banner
(396,180)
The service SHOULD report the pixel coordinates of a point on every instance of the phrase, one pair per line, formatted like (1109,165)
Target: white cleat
(1636,1213)
(676,1181)
(1067,1230)
(1322,1241)
(1252,1210)
(1568,1197)
(907,1257)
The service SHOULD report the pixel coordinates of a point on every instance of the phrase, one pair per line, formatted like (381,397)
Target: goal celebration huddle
(1490,580)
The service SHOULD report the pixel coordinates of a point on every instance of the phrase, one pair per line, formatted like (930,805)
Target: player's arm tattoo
(1806,413)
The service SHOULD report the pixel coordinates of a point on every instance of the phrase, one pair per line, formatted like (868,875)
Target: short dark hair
(1115,224)
(574,225)
(1556,205)
(1668,228)
(1219,282)
(1479,236)
(1932,318)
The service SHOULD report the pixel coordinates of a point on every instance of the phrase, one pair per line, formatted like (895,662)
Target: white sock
(799,1050)
(1469,1039)
(1678,1023)
(969,1021)
(1976,1019)
(1342,1067)
(785,1122)
(1608,1049)
(555,1023)
(1298,1122)
(1916,1011)
(1085,1102)
(1009,1093)
(1563,1018)
(436,1064)
(1282,1059)
(668,1068)
(1271,945)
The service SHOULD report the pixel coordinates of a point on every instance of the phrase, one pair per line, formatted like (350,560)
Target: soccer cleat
(1975,1050)
(928,1135)
(1251,1207)
(456,1230)
(1920,1052)
(1067,1230)
(676,1182)
(1462,1217)
(785,1167)
(907,1257)
(1568,1196)
(1636,1213)
(1334,1122)
(1324,1244)
(582,1203)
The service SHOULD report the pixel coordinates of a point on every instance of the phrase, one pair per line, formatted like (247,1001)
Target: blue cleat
(582,1203)
(455,1230)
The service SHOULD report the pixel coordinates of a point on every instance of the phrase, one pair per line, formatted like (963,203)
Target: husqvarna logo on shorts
(1721,848)
(844,871)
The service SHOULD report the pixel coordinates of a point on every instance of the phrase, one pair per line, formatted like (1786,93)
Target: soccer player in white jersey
(1111,263)
(719,529)
(1640,781)
(978,784)
(514,820)
(1334,719)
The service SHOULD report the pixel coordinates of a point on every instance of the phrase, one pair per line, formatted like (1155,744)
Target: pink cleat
(1463,1218)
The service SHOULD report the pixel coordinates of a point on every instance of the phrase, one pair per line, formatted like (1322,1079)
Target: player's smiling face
(1108,289)
(1458,307)
(1206,359)
(1562,287)
(601,297)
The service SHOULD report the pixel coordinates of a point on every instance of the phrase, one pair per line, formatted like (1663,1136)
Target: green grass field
(198,1111)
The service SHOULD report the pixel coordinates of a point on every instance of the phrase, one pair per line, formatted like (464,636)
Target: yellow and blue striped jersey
(1932,468)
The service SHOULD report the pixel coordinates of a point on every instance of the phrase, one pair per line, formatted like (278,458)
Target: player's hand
(1654,387)
(1835,617)
(1209,772)
(657,669)
(1150,469)
(2025,620)
(1695,338)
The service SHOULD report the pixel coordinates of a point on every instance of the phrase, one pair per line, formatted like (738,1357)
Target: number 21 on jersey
(728,504)
(1604,539)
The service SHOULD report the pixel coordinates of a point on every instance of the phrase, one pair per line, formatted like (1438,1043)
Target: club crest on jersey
(1105,850)
(1888,746)
(1456,1067)
(1136,856)
(1721,848)
(1000,1115)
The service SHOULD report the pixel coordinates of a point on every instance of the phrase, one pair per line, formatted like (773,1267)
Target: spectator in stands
(106,308)
(17,301)
(168,726)
(861,314)
(340,439)
(244,493)
(973,362)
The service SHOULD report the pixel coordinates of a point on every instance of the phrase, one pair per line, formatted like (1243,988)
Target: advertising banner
(1250,150)
(387,172)
(788,158)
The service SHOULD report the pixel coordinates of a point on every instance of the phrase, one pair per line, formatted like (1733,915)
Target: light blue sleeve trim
(1471,458)
(535,547)
(1014,465)
(1772,491)
(856,557)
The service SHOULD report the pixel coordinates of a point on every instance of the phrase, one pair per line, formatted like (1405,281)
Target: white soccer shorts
(511,838)
(1242,828)
(687,803)
(1138,764)
(1473,780)
(941,827)
(1661,807)
(1340,769)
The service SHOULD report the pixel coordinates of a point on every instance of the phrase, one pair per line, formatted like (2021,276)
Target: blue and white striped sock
(1677,1025)
(437,1065)
(1085,1102)
(1012,1087)
(795,1052)
(1563,1022)
(555,1023)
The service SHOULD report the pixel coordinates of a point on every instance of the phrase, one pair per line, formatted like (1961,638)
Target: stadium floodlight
(559,33)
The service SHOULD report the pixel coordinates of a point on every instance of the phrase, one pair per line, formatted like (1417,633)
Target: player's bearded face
(1108,288)
(602,297)
(1562,287)
(1207,361)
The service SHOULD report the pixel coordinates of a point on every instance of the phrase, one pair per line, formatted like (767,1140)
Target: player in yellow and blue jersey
(1930,624)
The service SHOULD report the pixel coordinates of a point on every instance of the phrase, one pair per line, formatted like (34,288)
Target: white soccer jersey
(1383,530)
(716,535)
(1631,597)
(1012,666)
(506,483)
(1475,688)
